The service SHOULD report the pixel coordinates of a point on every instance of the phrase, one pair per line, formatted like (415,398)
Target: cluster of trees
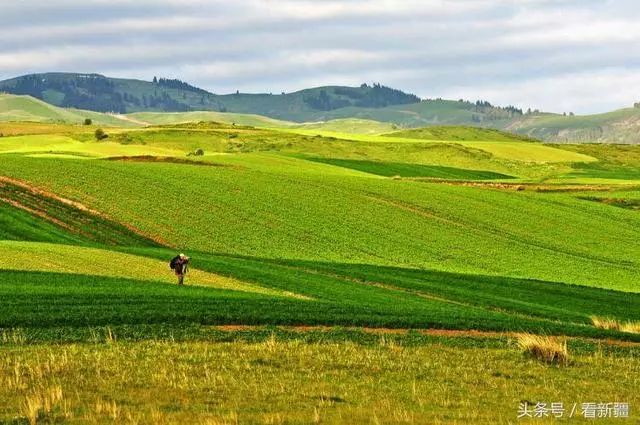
(163,102)
(375,96)
(324,102)
(498,111)
(177,84)
(98,93)
(85,91)
(636,105)
(485,111)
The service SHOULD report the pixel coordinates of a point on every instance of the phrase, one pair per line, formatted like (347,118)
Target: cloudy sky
(556,55)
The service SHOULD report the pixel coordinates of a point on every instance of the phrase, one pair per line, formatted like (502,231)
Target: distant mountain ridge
(103,94)
(95,92)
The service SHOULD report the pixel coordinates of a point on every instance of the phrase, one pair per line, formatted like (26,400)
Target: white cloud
(553,54)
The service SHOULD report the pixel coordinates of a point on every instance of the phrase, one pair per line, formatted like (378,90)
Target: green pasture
(263,211)
(523,151)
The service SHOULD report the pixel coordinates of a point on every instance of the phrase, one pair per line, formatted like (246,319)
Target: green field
(351,239)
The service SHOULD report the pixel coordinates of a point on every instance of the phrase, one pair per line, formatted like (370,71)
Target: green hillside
(368,109)
(26,108)
(459,133)
(165,118)
(100,93)
(350,125)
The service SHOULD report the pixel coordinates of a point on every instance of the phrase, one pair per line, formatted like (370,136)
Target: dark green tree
(100,134)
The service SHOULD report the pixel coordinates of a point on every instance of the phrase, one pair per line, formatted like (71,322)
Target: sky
(555,55)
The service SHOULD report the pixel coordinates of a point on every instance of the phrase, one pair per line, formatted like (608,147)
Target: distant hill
(99,93)
(26,108)
(370,109)
(168,118)
(620,126)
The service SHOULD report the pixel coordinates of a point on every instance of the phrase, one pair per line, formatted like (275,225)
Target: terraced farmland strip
(75,220)
(390,169)
(35,256)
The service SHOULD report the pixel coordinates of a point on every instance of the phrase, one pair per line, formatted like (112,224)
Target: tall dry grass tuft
(613,324)
(109,336)
(605,323)
(545,348)
(41,404)
(107,408)
(631,327)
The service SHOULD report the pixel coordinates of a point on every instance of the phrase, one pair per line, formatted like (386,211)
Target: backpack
(174,262)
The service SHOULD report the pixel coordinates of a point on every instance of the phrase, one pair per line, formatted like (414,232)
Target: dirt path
(129,119)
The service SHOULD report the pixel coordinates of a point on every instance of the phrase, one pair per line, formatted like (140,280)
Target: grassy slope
(27,108)
(351,125)
(267,207)
(508,150)
(87,278)
(57,258)
(58,144)
(268,213)
(391,169)
(433,112)
(364,147)
(459,133)
(163,118)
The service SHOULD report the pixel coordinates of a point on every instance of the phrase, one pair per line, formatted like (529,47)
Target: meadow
(315,249)
(265,377)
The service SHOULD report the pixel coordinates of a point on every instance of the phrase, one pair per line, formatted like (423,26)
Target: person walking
(179,265)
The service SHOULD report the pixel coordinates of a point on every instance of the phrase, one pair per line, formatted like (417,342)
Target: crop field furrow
(480,229)
(73,218)
(422,293)
(391,169)
(548,299)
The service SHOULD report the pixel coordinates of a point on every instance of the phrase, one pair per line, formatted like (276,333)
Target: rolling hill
(620,126)
(371,109)
(27,108)
(100,93)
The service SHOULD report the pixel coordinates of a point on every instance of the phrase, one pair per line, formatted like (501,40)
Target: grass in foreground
(274,381)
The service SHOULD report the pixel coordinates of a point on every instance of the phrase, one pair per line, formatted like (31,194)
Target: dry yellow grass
(276,381)
(545,348)
(42,403)
(632,327)
(613,324)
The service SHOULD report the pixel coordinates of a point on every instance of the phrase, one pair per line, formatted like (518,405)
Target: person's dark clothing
(181,269)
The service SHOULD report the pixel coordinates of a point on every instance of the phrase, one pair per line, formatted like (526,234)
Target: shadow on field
(381,296)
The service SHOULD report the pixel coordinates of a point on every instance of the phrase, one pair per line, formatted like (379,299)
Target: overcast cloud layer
(556,55)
